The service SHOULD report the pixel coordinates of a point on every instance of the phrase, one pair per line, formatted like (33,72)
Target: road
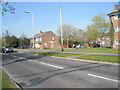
(35,71)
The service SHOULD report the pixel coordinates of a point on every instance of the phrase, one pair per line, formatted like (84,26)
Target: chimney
(41,31)
(115,7)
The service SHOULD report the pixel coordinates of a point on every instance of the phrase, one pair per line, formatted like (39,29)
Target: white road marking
(29,60)
(52,65)
(103,77)
(22,58)
(14,56)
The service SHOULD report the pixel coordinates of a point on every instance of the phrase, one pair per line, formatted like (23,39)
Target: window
(36,39)
(103,42)
(116,16)
(36,45)
(117,29)
(117,42)
(119,16)
(53,38)
(45,44)
(40,39)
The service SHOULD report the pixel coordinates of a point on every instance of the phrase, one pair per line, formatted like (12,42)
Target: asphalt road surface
(35,71)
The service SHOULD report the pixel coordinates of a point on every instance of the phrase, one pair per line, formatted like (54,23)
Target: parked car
(80,46)
(96,45)
(6,49)
(23,47)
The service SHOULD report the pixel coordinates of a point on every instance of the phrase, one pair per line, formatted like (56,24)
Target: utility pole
(61,28)
(4,36)
(33,29)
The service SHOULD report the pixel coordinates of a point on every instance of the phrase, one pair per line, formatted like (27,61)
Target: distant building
(115,19)
(45,40)
(105,42)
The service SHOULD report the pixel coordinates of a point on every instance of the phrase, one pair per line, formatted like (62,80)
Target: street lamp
(32,25)
(3,35)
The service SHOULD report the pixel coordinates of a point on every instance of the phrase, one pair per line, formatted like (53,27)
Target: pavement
(92,53)
(36,71)
(53,50)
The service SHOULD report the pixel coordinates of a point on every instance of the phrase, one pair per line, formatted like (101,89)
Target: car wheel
(5,51)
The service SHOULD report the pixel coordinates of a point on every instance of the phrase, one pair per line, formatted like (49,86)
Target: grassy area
(5,82)
(56,54)
(104,58)
(94,50)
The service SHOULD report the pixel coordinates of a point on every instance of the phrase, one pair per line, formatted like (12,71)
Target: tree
(92,33)
(5,7)
(99,27)
(111,33)
(14,42)
(5,38)
(70,33)
(24,41)
(9,40)
(101,24)
(0,41)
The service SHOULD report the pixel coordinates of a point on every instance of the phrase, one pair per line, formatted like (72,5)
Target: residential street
(35,71)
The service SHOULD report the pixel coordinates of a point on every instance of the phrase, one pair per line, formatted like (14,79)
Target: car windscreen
(7,46)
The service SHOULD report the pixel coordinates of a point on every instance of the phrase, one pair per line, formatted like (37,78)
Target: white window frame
(36,39)
(45,44)
(117,41)
(116,17)
(40,39)
(36,45)
(117,29)
(53,38)
(103,42)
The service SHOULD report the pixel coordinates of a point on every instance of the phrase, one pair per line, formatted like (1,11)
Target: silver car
(80,46)
(6,49)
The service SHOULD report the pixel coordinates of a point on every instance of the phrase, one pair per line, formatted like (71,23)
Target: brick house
(115,20)
(45,40)
(106,41)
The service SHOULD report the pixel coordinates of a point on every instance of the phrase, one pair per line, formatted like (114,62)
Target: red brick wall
(116,22)
(117,35)
(48,37)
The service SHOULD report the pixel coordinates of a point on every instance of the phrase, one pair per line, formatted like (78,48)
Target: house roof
(41,34)
(114,13)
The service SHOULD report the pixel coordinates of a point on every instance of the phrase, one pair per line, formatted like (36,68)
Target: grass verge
(56,54)
(94,50)
(5,81)
(103,58)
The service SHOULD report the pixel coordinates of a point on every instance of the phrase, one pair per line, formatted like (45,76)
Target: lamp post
(3,33)
(32,26)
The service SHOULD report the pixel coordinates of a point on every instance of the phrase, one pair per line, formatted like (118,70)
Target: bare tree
(70,33)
